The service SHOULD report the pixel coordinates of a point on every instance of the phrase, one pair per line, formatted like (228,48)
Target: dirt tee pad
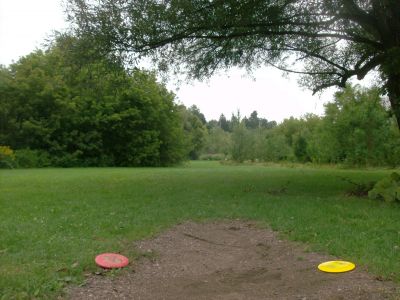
(230,260)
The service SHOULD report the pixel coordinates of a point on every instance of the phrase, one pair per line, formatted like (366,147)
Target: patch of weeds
(387,189)
(107,272)
(114,272)
(101,272)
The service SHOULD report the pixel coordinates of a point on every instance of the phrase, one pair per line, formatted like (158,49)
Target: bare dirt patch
(230,260)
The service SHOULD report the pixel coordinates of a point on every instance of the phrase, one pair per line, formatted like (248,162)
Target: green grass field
(54,221)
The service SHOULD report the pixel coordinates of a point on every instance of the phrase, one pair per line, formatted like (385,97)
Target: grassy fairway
(54,221)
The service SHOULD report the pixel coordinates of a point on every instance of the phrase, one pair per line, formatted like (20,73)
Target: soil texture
(230,260)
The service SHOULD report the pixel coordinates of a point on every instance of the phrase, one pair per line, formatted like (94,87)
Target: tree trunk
(393,87)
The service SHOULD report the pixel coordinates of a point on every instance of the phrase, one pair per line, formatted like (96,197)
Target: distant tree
(333,40)
(289,128)
(7,123)
(224,123)
(218,141)
(253,121)
(300,149)
(195,132)
(264,123)
(356,130)
(236,119)
(212,124)
(242,143)
(196,111)
(276,148)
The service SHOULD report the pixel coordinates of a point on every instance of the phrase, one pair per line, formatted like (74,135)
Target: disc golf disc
(336,266)
(111,260)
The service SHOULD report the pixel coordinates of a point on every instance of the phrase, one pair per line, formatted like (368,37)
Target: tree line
(68,106)
(65,106)
(357,129)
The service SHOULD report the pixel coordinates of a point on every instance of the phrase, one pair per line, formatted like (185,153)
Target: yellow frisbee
(336,266)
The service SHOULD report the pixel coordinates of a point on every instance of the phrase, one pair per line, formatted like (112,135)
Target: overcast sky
(25,24)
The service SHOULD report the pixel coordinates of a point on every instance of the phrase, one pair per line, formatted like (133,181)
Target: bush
(387,189)
(27,158)
(67,160)
(7,158)
(276,149)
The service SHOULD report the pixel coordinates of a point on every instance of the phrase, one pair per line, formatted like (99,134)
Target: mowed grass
(54,221)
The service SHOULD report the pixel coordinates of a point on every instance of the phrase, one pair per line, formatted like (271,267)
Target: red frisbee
(111,260)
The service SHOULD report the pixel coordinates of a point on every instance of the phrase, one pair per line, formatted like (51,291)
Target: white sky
(24,25)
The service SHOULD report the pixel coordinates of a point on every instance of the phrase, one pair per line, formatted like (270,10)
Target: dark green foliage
(194,130)
(254,122)
(27,158)
(6,163)
(276,148)
(196,111)
(224,123)
(87,111)
(241,143)
(300,149)
(387,189)
(356,130)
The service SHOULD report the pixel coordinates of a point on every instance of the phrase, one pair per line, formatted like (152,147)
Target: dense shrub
(218,141)
(276,148)
(27,158)
(387,189)
(7,158)
(85,110)
(242,143)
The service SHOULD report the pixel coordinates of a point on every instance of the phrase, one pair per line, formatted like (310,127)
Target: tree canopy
(329,41)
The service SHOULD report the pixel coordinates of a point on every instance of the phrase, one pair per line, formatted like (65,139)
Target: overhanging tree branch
(303,72)
(335,40)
